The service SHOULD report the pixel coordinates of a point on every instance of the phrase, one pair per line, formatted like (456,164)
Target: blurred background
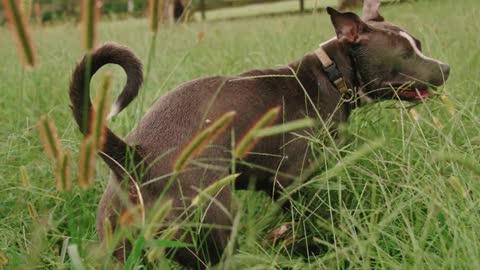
(54,11)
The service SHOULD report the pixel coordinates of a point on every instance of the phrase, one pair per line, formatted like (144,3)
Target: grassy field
(264,8)
(412,203)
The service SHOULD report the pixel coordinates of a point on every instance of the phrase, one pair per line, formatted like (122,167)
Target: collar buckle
(333,73)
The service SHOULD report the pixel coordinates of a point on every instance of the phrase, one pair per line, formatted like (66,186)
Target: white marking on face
(417,51)
(325,42)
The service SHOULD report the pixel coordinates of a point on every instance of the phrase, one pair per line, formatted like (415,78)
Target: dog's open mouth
(413,94)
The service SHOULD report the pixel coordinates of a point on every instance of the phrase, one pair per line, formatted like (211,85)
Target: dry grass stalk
(249,140)
(86,163)
(90,14)
(202,139)
(102,104)
(49,137)
(21,31)
(64,181)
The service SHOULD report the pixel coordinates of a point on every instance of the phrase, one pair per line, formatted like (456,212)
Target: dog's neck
(315,81)
(341,56)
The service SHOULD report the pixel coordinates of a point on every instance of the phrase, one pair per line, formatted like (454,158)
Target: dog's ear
(370,11)
(348,26)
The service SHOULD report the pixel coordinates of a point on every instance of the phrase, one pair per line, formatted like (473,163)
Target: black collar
(333,73)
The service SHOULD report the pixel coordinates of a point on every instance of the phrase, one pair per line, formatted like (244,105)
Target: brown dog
(369,58)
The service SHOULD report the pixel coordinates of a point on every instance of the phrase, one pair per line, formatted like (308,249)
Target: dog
(368,60)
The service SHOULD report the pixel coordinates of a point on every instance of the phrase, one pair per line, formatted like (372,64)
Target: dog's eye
(406,55)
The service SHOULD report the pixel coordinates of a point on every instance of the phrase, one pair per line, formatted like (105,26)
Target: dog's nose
(446,71)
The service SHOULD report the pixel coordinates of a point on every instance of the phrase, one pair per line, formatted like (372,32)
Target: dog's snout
(446,71)
(441,76)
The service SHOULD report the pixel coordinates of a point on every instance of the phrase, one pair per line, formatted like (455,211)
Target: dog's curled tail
(118,155)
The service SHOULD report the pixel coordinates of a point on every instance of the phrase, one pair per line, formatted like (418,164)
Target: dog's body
(301,89)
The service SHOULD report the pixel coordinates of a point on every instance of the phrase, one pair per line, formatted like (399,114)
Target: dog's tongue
(414,94)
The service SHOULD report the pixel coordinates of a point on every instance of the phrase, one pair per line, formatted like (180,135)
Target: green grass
(264,8)
(399,206)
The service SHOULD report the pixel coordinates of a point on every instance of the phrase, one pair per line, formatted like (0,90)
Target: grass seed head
(202,139)
(131,217)
(101,111)
(211,190)
(24,177)
(86,163)
(249,140)
(107,233)
(64,181)
(200,36)
(437,123)
(31,211)
(49,137)
(458,186)
(157,252)
(154,9)
(90,14)
(3,259)
(414,115)
(448,104)
(27,9)
(21,30)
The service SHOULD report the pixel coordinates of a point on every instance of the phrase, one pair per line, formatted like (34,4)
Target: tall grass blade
(102,106)
(21,31)
(64,181)
(210,191)
(86,163)
(250,139)
(284,128)
(90,14)
(341,166)
(468,163)
(349,160)
(49,137)
(108,233)
(74,255)
(160,213)
(157,252)
(202,139)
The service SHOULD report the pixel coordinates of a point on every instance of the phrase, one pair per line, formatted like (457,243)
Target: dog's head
(389,60)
